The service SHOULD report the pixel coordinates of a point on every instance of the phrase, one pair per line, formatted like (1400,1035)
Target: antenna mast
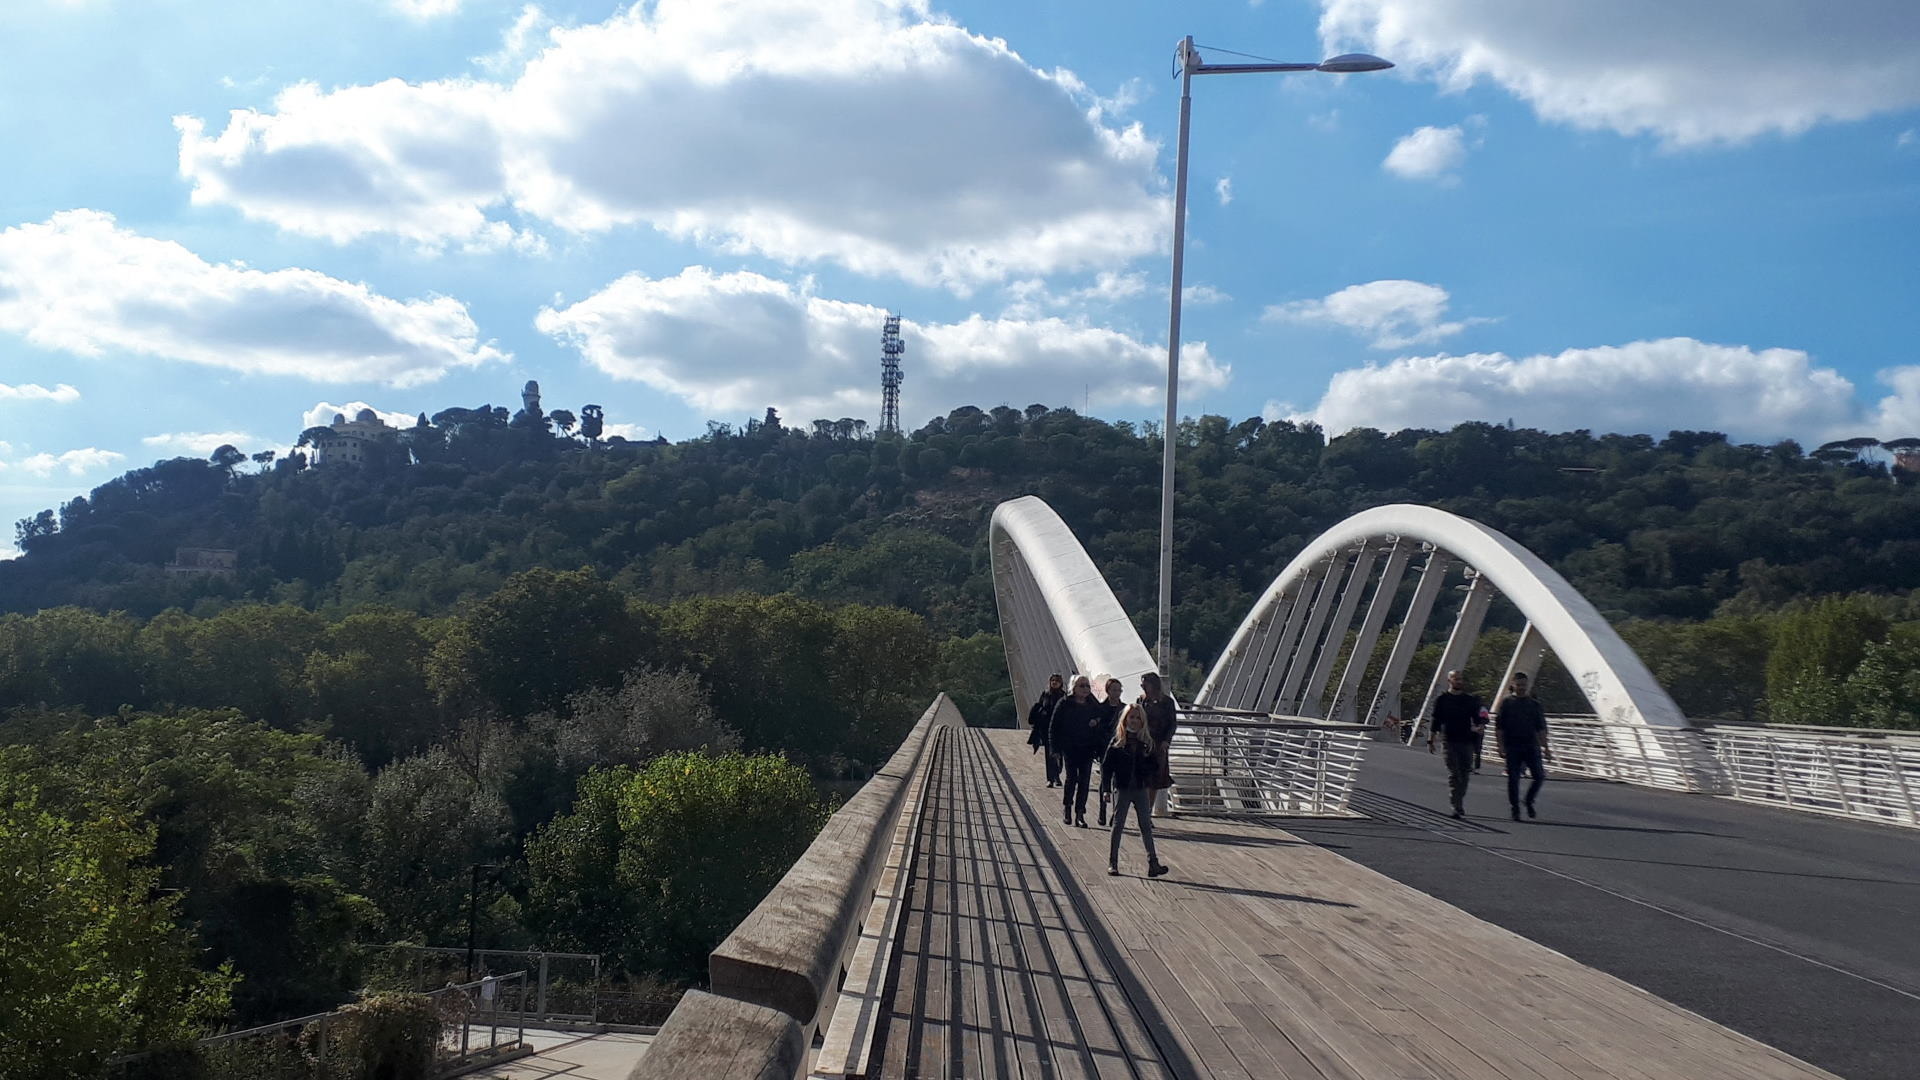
(891,348)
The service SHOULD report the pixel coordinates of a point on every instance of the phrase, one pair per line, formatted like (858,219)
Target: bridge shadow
(1261,894)
(1225,839)
(1536,824)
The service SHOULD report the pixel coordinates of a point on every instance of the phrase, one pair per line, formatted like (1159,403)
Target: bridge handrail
(1851,772)
(774,980)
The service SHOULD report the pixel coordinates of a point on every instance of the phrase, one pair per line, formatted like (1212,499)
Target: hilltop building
(347,440)
(203,561)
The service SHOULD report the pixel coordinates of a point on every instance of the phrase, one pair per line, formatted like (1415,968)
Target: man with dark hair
(1456,717)
(1040,719)
(1521,725)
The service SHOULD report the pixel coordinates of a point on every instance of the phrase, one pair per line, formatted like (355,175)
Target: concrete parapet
(788,953)
(711,1037)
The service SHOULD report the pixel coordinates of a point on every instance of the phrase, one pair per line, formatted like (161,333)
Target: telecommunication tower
(891,348)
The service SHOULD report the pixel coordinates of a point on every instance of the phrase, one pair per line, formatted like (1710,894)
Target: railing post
(540,1001)
(1839,782)
(1900,781)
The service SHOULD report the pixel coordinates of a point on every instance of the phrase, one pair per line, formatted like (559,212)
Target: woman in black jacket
(1039,718)
(1075,732)
(1129,766)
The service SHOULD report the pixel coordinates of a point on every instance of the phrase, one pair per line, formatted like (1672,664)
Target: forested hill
(1673,528)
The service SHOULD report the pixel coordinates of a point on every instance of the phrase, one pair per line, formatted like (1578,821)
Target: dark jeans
(1079,776)
(1479,740)
(1141,800)
(1524,757)
(1053,765)
(1459,771)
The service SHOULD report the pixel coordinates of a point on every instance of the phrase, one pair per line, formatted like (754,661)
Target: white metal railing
(1231,761)
(1860,773)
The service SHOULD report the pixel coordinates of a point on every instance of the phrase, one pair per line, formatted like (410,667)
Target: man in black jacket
(1039,718)
(1457,716)
(1522,727)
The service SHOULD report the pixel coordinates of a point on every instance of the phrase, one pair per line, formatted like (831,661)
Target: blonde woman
(1129,766)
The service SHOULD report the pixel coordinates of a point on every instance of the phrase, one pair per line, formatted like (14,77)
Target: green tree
(542,636)
(1816,646)
(96,964)
(429,820)
(693,841)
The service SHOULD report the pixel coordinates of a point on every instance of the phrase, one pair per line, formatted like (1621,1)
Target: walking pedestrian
(1162,720)
(1456,717)
(1076,733)
(1129,765)
(1040,718)
(1116,705)
(1521,725)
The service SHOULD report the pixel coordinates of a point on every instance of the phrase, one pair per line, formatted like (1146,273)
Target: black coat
(1039,717)
(1130,765)
(1075,730)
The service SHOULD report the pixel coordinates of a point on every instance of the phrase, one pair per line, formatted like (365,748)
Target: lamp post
(473,910)
(1191,65)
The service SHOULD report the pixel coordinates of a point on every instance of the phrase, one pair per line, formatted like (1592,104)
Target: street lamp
(473,908)
(1191,65)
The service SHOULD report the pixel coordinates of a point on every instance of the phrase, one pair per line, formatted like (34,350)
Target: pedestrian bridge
(947,923)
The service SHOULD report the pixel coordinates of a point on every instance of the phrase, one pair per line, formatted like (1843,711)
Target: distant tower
(530,398)
(891,347)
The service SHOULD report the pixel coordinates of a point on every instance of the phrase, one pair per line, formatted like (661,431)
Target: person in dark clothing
(1162,720)
(1076,732)
(1129,766)
(1116,705)
(1040,718)
(1457,716)
(1521,725)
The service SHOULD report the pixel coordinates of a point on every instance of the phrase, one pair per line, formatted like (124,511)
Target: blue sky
(222,219)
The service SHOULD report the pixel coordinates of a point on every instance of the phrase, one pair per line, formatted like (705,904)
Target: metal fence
(474,1027)
(1860,773)
(560,986)
(1242,763)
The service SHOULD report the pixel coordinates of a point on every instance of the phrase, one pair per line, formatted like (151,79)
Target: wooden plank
(1282,958)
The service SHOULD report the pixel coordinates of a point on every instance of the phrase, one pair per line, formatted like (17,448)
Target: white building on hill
(346,443)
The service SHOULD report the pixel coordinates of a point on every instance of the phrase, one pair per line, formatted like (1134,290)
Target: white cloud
(1697,72)
(530,32)
(323,413)
(8,551)
(61,394)
(629,432)
(204,442)
(1223,190)
(1907,138)
(72,462)
(1030,297)
(738,342)
(872,133)
(1643,386)
(1392,313)
(79,283)
(1428,153)
(1202,295)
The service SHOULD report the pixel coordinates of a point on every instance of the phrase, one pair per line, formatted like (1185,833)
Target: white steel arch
(1057,614)
(1615,681)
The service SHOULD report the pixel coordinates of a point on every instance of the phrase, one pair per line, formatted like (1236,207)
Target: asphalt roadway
(1800,930)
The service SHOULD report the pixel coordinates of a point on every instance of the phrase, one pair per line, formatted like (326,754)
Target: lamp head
(1349,63)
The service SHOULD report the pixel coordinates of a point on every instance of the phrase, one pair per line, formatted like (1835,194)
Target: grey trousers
(1459,771)
(1141,801)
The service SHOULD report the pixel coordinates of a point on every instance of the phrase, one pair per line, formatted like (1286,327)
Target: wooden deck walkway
(1260,956)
